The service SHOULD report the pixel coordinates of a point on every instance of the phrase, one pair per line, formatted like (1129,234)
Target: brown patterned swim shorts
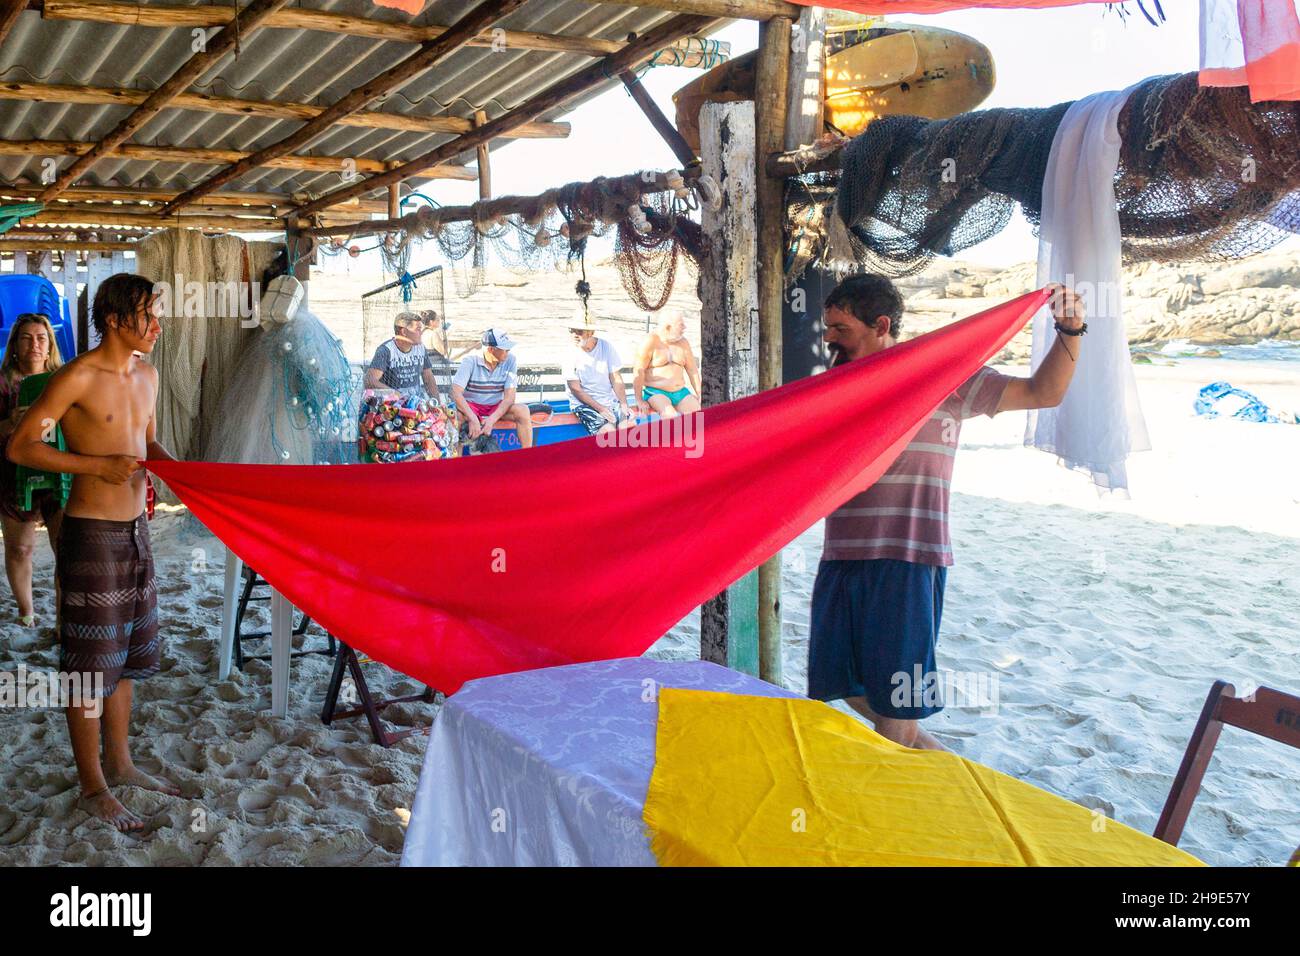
(108,601)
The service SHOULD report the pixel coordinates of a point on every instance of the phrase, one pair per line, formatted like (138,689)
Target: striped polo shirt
(904,515)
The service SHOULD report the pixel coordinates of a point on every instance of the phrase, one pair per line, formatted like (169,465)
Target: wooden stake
(243,27)
(430,54)
(770,90)
(635,53)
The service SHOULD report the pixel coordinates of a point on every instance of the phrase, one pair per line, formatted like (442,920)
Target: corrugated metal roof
(299,66)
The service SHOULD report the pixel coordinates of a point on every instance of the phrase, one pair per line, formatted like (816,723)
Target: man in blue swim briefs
(664,367)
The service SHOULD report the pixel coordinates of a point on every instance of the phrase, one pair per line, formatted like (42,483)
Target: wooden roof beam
(202,102)
(9,11)
(637,51)
(430,53)
(161,15)
(135,195)
(728,9)
(217,157)
(242,27)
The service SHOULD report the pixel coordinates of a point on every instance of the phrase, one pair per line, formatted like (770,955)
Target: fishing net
(651,226)
(420,294)
(291,400)
(911,188)
(1204,173)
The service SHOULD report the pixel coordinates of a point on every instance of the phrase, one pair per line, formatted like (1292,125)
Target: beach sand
(1104,622)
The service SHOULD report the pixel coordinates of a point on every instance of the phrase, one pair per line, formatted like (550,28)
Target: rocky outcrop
(1206,303)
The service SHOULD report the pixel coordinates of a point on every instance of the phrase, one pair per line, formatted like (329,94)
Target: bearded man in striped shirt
(879,592)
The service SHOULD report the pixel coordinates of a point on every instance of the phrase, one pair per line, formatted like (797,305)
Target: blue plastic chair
(32,293)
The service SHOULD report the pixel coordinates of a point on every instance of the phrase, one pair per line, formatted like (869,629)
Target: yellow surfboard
(873,71)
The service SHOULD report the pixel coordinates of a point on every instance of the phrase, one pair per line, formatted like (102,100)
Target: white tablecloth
(550,767)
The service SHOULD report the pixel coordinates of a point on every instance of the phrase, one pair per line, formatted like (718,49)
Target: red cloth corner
(452,570)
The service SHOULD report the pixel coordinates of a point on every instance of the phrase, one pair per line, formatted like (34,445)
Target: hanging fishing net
(292,400)
(911,188)
(420,296)
(1204,173)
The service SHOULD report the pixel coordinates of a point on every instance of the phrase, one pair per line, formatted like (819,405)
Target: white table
(550,767)
(281,635)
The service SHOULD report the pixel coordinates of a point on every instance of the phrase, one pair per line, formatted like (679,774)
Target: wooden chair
(1269,713)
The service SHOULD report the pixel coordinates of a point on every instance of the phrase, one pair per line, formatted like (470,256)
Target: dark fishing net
(648,257)
(911,188)
(1204,173)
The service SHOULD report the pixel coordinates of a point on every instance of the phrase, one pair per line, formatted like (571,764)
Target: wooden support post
(663,126)
(394,201)
(484,161)
(729,341)
(804,115)
(770,86)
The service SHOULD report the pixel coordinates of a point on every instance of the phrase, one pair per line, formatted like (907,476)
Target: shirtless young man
(664,365)
(104,399)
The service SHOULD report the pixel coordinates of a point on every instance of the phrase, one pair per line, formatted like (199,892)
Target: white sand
(1105,622)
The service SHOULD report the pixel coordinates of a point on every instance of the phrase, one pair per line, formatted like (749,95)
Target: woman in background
(31,350)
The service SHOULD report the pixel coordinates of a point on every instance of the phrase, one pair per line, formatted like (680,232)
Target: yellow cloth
(761,781)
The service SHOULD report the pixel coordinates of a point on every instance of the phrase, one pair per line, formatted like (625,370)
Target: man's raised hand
(1067,307)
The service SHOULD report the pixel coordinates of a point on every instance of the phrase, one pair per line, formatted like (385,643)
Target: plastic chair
(29,480)
(32,293)
(1269,713)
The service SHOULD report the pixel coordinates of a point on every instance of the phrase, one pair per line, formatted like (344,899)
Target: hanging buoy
(709,192)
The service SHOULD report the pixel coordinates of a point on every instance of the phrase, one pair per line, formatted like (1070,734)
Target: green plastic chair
(29,480)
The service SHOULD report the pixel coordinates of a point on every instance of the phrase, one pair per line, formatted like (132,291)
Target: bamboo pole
(770,95)
(207,15)
(188,154)
(633,184)
(249,19)
(634,53)
(136,196)
(728,9)
(103,218)
(54,245)
(206,103)
(429,55)
(484,160)
(663,126)
(10,10)
(819,157)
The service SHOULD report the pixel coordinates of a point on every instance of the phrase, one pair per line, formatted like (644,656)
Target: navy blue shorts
(874,629)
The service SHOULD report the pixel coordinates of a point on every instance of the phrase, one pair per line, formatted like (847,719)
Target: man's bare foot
(105,806)
(133,776)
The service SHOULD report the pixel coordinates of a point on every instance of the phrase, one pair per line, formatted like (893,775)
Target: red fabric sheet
(573,552)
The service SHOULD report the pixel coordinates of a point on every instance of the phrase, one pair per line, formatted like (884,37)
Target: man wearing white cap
(484,389)
(596,392)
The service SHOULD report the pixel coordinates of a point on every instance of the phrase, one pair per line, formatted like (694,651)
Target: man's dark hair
(866,298)
(119,296)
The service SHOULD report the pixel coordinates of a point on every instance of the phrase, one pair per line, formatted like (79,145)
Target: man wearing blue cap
(484,389)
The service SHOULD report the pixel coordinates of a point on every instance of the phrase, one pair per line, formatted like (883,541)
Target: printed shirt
(486,386)
(904,515)
(402,370)
(591,370)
